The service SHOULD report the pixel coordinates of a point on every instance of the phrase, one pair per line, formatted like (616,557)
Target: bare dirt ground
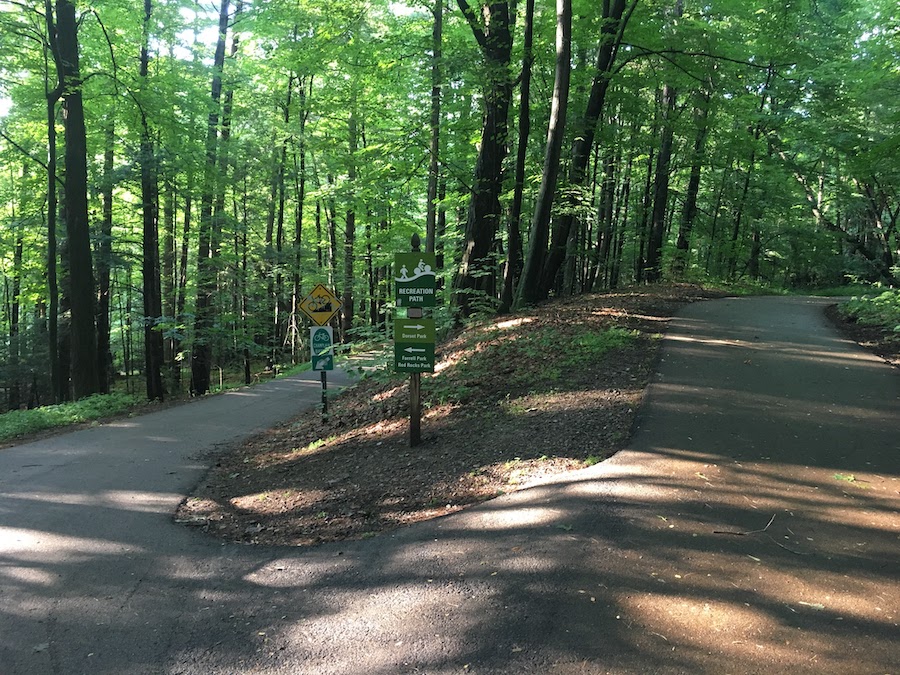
(513,399)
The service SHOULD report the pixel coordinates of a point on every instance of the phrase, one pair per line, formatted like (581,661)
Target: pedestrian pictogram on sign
(415,279)
(320,305)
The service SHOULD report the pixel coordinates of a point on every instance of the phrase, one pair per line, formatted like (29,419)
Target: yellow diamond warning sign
(320,305)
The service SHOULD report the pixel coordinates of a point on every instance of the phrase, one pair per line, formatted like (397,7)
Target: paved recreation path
(752,526)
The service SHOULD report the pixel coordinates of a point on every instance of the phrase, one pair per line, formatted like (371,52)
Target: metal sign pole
(324,397)
(320,306)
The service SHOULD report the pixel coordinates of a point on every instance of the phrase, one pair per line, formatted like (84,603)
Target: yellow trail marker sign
(320,305)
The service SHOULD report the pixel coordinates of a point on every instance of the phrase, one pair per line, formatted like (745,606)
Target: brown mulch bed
(513,400)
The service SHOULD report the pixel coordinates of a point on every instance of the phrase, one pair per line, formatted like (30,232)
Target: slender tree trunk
(83,328)
(181,279)
(738,217)
(104,258)
(689,212)
(347,309)
(168,281)
(223,165)
(371,275)
(56,382)
(300,186)
(152,294)
(514,260)
(529,288)
(615,18)
(14,400)
(435,124)
(653,269)
(534,286)
(205,310)
(606,213)
(494,36)
(714,226)
(331,224)
(644,222)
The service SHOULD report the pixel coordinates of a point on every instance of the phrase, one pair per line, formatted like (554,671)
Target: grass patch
(315,445)
(21,422)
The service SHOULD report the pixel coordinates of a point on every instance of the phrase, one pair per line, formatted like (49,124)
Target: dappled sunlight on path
(750,527)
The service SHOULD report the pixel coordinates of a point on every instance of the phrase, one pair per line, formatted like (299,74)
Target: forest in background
(176,176)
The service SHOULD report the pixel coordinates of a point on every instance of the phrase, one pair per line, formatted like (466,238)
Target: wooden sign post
(415,285)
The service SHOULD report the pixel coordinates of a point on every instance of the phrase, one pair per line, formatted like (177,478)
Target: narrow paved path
(752,526)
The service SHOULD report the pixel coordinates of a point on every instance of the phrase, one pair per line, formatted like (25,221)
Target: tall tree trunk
(494,36)
(530,286)
(624,203)
(653,269)
(606,213)
(182,275)
(205,310)
(14,399)
(152,293)
(300,187)
(168,281)
(643,224)
(514,260)
(745,191)
(689,212)
(83,328)
(714,246)
(350,228)
(275,224)
(104,259)
(223,165)
(52,97)
(738,217)
(615,19)
(435,124)
(331,224)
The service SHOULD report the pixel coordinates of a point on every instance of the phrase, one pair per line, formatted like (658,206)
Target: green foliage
(19,422)
(847,291)
(875,310)
(819,128)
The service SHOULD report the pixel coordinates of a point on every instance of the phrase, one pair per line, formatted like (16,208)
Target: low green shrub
(20,422)
(875,310)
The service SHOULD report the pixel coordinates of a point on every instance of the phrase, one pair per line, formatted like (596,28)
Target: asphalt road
(752,526)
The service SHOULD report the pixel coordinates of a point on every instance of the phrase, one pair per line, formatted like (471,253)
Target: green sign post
(414,345)
(321,344)
(415,279)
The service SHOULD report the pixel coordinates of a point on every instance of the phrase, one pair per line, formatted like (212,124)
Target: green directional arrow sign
(414,330)
(414,345)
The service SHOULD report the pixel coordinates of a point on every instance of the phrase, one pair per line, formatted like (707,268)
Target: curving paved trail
(752,526)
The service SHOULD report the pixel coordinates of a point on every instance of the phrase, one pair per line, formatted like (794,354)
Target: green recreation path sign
(415,279)
(414,345)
